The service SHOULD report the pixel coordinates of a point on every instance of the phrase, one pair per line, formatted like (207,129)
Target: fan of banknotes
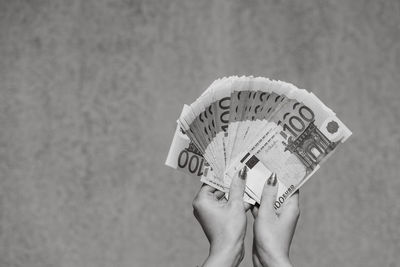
(267,125)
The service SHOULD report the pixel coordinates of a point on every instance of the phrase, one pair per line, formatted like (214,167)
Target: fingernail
(275,180)
(269,181)
(243,173)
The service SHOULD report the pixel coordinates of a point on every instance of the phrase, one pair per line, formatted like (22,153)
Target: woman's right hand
(273,232)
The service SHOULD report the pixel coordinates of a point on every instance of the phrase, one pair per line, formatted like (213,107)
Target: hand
(223,221)
(273,232)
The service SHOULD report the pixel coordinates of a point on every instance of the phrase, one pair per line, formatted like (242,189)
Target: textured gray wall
(89,94)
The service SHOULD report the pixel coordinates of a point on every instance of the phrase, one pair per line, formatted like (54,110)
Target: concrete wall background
(89,94)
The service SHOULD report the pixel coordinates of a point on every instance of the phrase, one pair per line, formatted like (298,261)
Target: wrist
(275,261)
(225,255)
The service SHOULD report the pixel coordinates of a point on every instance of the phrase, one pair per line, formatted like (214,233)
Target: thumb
(238,185)
(254,210)
(291,211)
(268,196)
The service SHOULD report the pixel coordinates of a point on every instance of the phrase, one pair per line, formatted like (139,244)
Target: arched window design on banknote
(310,147)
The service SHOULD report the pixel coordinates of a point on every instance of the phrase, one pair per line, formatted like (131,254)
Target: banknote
(293,145)
(185,157)
(269,126)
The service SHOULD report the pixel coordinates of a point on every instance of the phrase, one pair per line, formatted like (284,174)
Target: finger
(205,188)
(290,211)
(254,210)
(268,196)
(237,186)
(247,206)
(219,194)
(204,191)
(223,200)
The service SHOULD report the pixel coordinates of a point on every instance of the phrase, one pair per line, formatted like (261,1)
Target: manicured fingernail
(275,180)
(243,173)
(269,181)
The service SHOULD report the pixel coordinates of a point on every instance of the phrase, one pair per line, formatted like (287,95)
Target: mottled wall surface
(89,94)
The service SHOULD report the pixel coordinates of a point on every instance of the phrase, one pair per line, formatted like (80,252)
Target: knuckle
(195,213)
(197,203)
